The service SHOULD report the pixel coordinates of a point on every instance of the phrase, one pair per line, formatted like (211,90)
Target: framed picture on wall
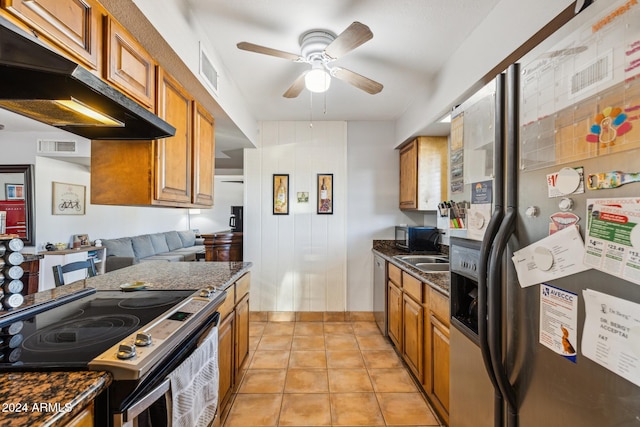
(68,199)
(325,193)
(14,191)
(80,240)
(281,194)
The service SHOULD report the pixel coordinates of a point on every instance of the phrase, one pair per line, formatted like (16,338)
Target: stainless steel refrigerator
(569,107)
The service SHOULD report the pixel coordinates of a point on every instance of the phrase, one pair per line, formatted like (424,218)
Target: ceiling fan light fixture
(317,80)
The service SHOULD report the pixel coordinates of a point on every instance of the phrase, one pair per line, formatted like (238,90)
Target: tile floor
(325,374)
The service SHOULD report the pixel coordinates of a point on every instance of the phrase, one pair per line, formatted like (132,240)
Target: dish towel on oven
(194,385)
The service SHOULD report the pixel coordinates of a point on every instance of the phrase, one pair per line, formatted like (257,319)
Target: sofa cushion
(173,240)
(170,256)
(142,246)
(121,247)
(159,242)
(188,238)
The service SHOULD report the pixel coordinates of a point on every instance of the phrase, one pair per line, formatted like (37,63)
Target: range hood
(39,83)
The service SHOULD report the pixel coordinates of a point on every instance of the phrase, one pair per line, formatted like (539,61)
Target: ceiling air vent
(57,146)
(208,71)
(597,72)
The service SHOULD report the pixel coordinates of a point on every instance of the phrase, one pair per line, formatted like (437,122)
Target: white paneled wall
(299,259)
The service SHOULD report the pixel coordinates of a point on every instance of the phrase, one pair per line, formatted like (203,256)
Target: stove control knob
(126,351)
(143,339)
(206,292)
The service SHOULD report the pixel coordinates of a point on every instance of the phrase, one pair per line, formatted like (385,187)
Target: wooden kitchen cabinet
(394,305)
(173,154)
(203,155)
(436,371)
(75,26)
(128,66)
(84,419)
(423,173)
(225,359)
(418,326)
(413,339)
(176,171)
(233,340)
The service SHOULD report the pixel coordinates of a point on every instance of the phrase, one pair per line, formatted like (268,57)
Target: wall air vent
(48,147)
(597,72)
(207,71)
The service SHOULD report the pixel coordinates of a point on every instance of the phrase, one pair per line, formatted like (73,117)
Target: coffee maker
(235,222)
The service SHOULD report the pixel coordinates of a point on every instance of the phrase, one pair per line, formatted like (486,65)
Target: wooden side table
(31,267)
(223,246)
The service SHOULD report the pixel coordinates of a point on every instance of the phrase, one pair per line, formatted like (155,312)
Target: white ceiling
(412,40)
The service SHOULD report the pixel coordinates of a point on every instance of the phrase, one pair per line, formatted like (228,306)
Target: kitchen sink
(426,263)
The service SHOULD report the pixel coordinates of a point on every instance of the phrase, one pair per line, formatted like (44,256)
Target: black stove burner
(77,333)
(143,301)
(70,335)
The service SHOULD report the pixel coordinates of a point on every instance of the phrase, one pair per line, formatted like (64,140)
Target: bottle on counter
(11,301)
(11,341)
(14,272)
(16,245)
(12,287)
(10,355)
(11,258)
(13,328)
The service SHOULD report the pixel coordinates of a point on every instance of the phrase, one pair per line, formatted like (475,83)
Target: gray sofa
(168,246)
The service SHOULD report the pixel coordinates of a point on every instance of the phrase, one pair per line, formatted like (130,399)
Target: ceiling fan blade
(297,86)
(355,79)
(355,35)
(268,51)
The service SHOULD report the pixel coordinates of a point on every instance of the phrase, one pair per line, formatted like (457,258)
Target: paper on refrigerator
(611,335)
(551,258)
(612,242)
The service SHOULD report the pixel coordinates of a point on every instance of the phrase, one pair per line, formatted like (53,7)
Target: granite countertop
(47,398)
(387,250)
(158,274)
(54,398)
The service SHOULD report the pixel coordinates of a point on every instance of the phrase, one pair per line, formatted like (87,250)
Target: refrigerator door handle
(507,228)
(487,244)
(494,315)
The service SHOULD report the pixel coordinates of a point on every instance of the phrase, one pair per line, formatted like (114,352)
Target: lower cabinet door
(413,338)
(225,359)
(242,333)
(440,365)
(394,310)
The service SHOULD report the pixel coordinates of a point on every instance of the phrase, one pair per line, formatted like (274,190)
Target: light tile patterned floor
(332,373)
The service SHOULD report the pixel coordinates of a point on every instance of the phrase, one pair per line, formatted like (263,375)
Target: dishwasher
(380,292)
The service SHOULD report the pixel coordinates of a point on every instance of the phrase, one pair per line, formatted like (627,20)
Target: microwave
(418,239)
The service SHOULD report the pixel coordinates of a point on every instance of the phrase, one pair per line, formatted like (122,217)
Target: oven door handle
(141,405)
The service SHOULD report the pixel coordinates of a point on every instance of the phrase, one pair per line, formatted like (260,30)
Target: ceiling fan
(319,48)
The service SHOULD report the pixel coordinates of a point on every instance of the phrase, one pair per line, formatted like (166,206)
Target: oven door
(152,401)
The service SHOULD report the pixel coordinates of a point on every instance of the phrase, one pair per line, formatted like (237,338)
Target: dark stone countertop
(387,250)
(47,398)
(59,396)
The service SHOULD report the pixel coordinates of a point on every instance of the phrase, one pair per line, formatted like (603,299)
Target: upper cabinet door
(203,156)
(129,67)
(409,176)
(74,25)
(173,154)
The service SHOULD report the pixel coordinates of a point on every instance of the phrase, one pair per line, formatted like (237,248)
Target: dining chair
(60,270)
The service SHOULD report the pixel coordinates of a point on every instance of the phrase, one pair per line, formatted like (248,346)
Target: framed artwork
(303,197)
(325,193)
(14,191)
(68,199)
(281,194)
(81,240)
